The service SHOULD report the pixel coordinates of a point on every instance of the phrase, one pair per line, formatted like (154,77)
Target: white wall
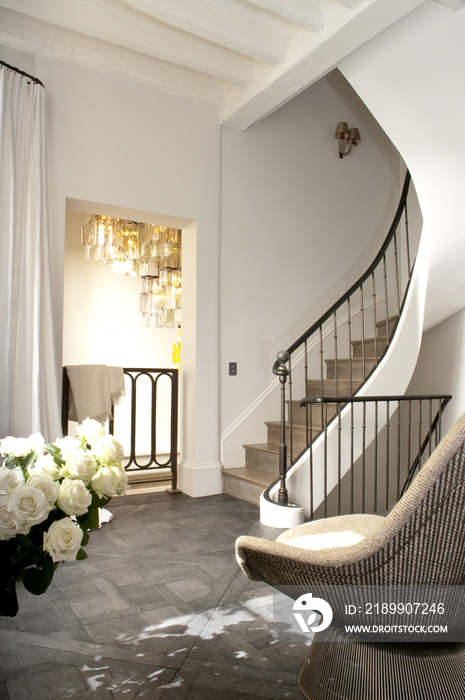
(121,144)
(298,225)
(410,77)
(440,368)
(101,320)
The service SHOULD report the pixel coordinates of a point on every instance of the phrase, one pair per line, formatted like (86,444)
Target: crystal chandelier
(149,251)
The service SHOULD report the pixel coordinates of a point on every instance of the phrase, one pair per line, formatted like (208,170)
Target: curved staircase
(363,348)
(262,460)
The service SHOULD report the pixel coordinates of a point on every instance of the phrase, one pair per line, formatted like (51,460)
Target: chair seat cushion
(341,531)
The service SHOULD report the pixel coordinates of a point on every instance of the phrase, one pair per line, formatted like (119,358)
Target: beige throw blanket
(94,389)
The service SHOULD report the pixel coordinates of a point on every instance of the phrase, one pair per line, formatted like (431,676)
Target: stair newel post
(282,371)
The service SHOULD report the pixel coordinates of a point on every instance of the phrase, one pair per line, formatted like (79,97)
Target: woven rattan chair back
(427,545)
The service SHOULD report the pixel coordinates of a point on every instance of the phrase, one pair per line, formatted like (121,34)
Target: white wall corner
(197,480)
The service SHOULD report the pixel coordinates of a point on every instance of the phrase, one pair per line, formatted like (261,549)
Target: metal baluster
(375,481)
(283,373)
(362,312)
(349,322)
(306,392)
(407,238)
(388,437)
(326,461)
(311,461)
(430,431)
(364,429)
(420,427)
(174,431)
(352,428)
(336,368)
(435,424)
(339,444)
(133,421)
(399,440)
(386,300)
(409,447)
(396,263)
(153,451)
(441,409)
(145,373)
(291,429)
(322,390)
(373,286)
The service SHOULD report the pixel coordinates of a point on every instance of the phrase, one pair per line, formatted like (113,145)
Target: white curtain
(29,380)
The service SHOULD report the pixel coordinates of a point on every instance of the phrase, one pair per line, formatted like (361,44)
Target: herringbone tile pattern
(158,610)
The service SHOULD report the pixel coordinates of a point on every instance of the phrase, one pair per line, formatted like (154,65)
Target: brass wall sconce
(352,135)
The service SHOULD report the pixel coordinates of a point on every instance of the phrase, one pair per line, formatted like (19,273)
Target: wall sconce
(352,135)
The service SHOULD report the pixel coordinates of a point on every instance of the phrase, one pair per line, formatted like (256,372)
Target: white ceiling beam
(310,57)
(245,30)
(305,13)
(33,36)
(351,4)
(128,28)
(453,4)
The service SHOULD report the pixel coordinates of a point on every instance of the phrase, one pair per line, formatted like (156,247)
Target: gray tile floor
(158,610)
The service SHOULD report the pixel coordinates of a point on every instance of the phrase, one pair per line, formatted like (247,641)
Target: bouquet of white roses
(49,500)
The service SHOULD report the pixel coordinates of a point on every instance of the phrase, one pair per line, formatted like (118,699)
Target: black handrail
(363,399)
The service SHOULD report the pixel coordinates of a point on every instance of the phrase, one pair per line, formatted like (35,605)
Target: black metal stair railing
(393,436)
(169,406)
(337,354)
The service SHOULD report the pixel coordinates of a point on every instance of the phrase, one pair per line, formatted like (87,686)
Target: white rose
(37,443)
(63,540)
(10,479)
(108,449)
(110,481)
(73,497)
(8,528)
(28,506)
(80,464)
(66,445)
(15,447)
(91,430)
(47,485)
(46,465)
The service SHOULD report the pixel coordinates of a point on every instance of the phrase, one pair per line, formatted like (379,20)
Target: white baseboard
(197,480)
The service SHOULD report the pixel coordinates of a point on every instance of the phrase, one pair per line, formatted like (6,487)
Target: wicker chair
(420,543)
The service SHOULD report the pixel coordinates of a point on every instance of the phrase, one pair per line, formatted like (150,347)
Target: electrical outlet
(233,369)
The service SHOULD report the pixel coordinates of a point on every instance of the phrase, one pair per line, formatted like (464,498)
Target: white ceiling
(244,57)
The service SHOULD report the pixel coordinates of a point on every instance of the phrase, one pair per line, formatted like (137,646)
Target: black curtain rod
(26,75)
